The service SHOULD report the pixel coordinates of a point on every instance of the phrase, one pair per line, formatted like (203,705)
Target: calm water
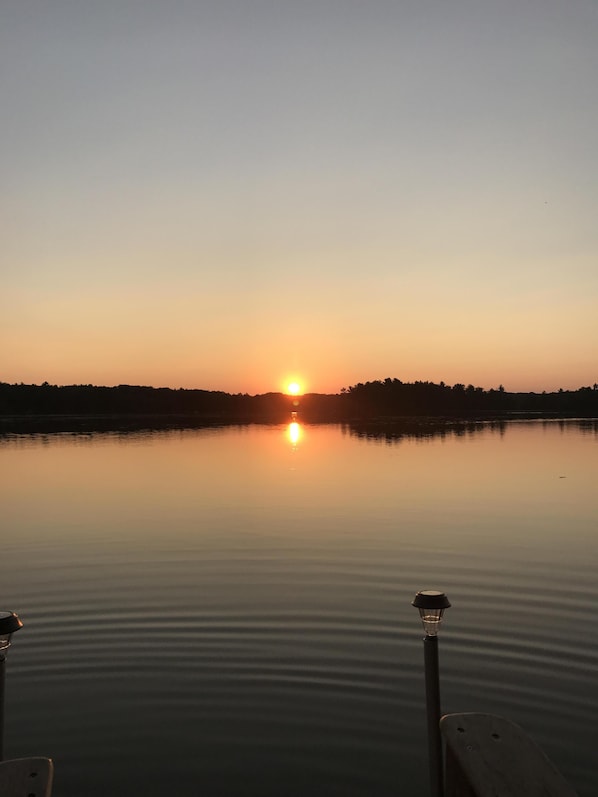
(227,611)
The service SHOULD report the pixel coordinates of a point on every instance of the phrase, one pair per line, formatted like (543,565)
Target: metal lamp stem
(2,676)
(432,605)
(9,623)
(433,713)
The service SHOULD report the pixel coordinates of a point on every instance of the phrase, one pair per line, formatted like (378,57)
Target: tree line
(393,397)
(387,398)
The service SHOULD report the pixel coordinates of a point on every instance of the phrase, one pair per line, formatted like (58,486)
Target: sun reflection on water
(294,433)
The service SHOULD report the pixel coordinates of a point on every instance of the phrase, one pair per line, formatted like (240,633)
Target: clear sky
(227,194)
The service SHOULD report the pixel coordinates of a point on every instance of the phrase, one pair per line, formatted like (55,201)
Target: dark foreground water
(227,612)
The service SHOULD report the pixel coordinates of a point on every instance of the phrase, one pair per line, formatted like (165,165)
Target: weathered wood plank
(26,777)
(492,757)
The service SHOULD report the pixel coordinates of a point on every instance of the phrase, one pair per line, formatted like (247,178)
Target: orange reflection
(294,433)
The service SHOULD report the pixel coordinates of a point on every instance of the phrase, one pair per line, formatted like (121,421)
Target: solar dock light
(431,605)
(9,623)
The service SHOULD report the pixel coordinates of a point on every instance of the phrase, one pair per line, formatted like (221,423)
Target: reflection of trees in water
(390,432)
(429,428)
(420,429)
(588,426)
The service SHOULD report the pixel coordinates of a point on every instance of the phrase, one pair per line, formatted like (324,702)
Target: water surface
(228,610)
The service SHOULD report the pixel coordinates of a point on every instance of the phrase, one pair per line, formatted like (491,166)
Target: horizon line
(341,391)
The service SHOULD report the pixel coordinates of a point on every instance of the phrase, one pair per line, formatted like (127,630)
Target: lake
(227,611)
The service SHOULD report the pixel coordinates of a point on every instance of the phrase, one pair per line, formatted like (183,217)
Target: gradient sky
(230,194)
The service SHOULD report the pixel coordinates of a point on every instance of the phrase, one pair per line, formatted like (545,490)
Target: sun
(293,388)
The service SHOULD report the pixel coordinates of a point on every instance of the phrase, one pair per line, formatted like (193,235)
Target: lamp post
(9,623)
(431,605)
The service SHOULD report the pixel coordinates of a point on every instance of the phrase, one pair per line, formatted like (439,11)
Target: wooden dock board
(26,777)
(489,756)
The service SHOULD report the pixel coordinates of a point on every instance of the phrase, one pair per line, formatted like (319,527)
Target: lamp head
(431,605)
(9,623)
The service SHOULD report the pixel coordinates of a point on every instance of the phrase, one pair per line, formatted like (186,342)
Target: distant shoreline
(47,408)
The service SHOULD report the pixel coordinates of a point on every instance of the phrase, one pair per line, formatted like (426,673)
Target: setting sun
(293,388)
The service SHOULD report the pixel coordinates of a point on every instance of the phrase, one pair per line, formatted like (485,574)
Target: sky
(234,194)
